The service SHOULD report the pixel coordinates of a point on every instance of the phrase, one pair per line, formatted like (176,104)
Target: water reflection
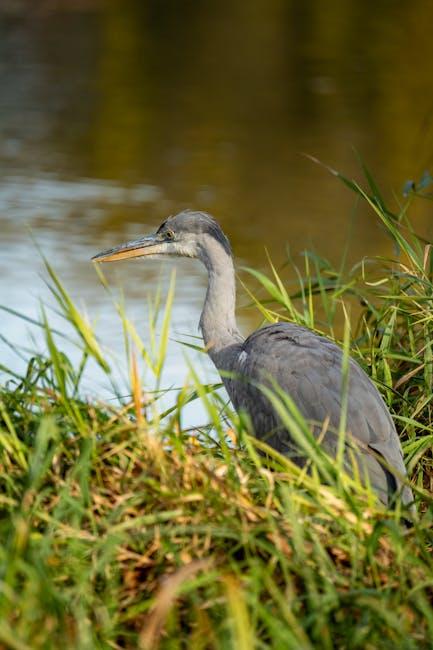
(115,114)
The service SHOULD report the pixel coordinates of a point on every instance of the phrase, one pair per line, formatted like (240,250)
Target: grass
(122,529)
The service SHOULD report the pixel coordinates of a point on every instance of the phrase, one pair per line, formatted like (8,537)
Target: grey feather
(308,368)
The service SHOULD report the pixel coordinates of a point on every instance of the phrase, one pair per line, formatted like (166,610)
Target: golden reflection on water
(208,105)
(216,103)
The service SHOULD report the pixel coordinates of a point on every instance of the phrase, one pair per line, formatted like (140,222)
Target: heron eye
(169,235)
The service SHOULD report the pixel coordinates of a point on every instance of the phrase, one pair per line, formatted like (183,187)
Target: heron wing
(308,367)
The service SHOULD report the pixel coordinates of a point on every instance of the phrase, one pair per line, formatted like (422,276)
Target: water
(114,115)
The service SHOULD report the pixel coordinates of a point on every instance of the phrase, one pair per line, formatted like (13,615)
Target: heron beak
(148,245)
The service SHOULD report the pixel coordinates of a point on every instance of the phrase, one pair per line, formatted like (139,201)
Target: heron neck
(218,320)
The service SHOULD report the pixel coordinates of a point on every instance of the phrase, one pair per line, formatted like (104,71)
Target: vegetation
(122,529)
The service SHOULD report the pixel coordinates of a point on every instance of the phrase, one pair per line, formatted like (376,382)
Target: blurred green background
(114,114)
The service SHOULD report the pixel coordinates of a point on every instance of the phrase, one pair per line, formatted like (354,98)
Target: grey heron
(305,365)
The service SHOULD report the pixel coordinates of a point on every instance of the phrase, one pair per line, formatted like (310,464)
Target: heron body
(306,366)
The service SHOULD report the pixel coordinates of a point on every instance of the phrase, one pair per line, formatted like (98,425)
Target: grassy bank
(120,528)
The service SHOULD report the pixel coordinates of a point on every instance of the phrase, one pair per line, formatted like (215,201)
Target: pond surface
(115,114)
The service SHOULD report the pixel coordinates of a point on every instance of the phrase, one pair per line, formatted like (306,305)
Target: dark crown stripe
(215,231)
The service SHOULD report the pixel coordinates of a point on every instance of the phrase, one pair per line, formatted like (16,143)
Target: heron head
(187,234)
